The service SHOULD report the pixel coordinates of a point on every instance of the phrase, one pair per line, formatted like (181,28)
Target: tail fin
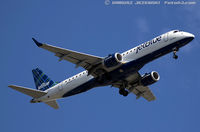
(42,81)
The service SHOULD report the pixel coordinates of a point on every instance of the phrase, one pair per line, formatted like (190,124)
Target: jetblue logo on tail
(43,85)
(42,81)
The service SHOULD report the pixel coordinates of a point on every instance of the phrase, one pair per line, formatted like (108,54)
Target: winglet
(37,43)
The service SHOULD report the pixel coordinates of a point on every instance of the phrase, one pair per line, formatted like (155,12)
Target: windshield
(176,31)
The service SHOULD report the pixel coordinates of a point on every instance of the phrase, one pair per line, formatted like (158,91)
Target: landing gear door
(166,37)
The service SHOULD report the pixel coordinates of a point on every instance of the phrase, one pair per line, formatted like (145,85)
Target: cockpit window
(176,31)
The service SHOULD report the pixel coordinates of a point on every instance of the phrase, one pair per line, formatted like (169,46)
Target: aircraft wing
(143,91)
(79,59)
(135,87)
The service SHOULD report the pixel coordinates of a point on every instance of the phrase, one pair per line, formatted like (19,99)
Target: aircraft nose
(189,35)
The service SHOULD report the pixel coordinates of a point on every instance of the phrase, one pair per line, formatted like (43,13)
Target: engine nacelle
(150,78)
(112,60)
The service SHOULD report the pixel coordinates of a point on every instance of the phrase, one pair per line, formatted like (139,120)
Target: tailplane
(30,92)
(52,104)
(42,81)
(35,94)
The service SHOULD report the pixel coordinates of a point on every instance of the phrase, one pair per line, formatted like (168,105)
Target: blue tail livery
(42,81)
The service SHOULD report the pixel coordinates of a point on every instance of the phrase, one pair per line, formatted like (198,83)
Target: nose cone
(189,36)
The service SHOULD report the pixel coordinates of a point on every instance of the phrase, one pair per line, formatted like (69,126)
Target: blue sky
(92,27)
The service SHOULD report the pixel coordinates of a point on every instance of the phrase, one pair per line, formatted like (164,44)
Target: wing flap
(145,92)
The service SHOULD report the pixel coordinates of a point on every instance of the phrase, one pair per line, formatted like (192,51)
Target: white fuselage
(135,53)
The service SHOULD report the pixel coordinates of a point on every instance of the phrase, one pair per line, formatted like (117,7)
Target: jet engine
(150,78)
(112,60)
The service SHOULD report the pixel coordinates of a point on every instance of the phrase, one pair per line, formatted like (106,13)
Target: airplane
(115,70)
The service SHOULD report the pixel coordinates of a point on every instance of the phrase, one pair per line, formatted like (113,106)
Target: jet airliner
(120,70)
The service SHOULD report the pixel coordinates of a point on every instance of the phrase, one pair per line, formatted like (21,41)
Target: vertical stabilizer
(42,81)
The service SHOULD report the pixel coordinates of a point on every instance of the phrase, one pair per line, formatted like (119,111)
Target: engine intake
(150,78)
(112,60)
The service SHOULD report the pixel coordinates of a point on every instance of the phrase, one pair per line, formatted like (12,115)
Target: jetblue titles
(148,43)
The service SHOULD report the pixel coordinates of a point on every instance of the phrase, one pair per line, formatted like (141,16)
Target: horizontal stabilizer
(53,104)
(31,92)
